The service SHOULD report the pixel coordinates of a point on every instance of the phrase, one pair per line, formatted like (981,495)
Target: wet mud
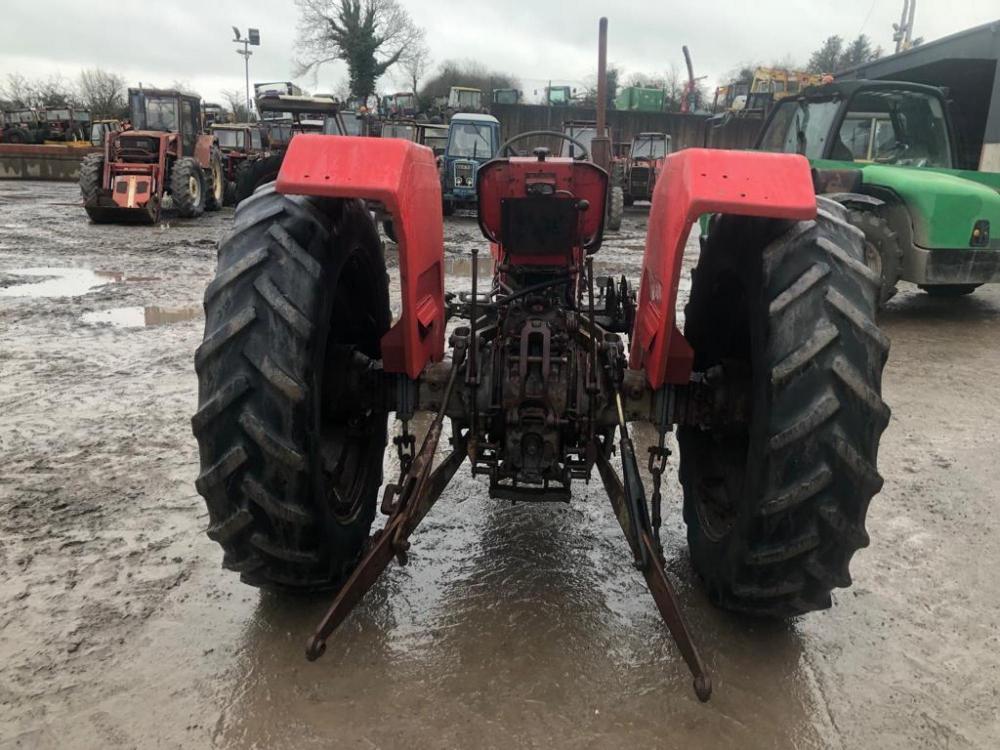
(513,626)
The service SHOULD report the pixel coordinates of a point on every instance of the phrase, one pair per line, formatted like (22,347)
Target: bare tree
(102,93)
(369,35)
(416,61)
(54,91)
(18,90)
(237,101)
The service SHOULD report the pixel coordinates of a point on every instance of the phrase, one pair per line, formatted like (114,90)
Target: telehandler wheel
(91,177)
(775,510)
(882,250)
(215,182)
(187,187)
(291,464)
(616,209)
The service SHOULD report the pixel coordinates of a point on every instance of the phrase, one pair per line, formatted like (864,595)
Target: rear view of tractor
(773,388)
(165,155)
(284,116)
(241,144)
(644,164)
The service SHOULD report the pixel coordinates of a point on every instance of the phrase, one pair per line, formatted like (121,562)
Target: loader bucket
(108,212)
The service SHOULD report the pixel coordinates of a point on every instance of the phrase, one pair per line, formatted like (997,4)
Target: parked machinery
(643,165)
(887,152)
(67,124)
(101,129)
(285,116)
(240,144)
(167,154)
(773,388)
(580,135)
(24,125)
(473,139)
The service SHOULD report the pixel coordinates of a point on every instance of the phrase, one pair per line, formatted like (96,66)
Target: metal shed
(968,65)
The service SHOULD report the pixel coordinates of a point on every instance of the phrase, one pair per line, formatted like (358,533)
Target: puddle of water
(142,317)
(59,282)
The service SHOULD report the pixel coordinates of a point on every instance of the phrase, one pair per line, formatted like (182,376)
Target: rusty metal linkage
(628,499)
(417,491)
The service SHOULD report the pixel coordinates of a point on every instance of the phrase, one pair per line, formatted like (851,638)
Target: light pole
(252,38)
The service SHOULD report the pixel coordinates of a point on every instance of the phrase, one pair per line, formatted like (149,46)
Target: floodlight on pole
(252,39)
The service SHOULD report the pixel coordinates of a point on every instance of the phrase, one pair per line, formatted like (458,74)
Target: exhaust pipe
(600,147)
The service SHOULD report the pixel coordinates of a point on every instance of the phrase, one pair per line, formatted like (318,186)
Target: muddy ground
(513,626)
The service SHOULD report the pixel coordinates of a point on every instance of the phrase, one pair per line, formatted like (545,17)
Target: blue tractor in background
(473,140)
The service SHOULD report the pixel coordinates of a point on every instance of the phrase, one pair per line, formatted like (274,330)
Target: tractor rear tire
(775,510)
(18,135)
(257,174)
(882,252)
(616,209)
(949,290)
(91,177)
(215,182)
(187,187)
(290,464)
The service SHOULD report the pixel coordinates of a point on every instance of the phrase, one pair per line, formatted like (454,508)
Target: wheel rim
(720,459)
(348,438)
(194,188)
(217,184)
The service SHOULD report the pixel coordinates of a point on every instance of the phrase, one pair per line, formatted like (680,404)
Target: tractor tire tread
(823,356)
(255,369)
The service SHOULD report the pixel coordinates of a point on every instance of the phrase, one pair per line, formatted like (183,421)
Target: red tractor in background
(165,155)
(241,144)
(773,388)
(643,165)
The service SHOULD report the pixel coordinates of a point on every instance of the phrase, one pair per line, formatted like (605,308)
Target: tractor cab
(871,122)
(645,160)
(100,129)
(473,139)
(23,126)
(66,124)
(582,131)
(237,137)
(155,111)
(886,150)
(464,99)
(286,116)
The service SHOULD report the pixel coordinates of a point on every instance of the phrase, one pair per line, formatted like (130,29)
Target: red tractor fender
(403,177)
(694,182)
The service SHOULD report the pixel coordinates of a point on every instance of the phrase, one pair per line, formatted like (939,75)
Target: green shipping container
(640,99)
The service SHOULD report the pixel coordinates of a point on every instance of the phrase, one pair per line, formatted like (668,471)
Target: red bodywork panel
(404,178)
(695,182)
(133,183)
(505,180)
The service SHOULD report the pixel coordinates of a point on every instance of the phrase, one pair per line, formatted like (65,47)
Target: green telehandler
(887,152)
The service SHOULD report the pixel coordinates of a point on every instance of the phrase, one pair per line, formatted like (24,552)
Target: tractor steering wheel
(584,153)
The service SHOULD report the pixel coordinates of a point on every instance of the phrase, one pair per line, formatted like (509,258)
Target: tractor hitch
(628,499)
(407,503)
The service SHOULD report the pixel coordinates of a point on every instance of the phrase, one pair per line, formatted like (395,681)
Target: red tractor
(241,145)
(643,165)
(773,388)
(166,154)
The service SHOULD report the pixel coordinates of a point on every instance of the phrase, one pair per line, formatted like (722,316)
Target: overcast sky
(189,40)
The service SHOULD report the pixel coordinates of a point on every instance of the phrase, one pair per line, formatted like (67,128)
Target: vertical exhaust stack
(600,147)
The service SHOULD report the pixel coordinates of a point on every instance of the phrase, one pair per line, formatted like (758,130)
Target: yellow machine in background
(769,85)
